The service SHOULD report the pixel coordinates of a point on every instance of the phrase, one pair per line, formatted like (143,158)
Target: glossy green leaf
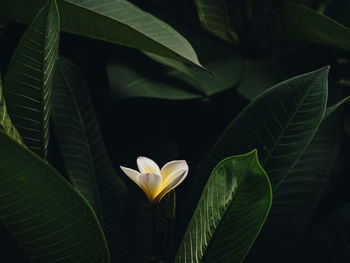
(127,82)
(28,80)
(5,121)
(116,21)
(300,194)
(49,219)
(83,152)
(279,123)
(303,24)
(215,17)
(230,213)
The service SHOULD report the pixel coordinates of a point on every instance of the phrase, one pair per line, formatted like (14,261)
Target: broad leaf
(127,82)
(230,213)
(28,80)
(279,123)
(303,24)
(5,120)
(227,74)
(83,152)
(180,84)
(298,198)
(117,21)
(215,17)
(50,220)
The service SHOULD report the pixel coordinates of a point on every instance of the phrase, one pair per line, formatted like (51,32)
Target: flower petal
(173,166)
(150,184)
(175,182)
(146,165)
(132,174)
(173,169)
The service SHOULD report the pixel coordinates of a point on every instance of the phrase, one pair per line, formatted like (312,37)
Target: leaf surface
(300,23)
(28,80)
(49,219)
(116,21)
(215,17)
(127,82)
(298,198)
(83,152)
(5,121)
(230,213)
(279,123)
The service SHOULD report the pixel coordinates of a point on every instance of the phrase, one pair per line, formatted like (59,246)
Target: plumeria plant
(249,93)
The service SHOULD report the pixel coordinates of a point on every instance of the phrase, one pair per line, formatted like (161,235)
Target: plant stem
(155,245)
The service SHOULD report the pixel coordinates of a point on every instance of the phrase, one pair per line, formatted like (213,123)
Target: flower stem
(155,245)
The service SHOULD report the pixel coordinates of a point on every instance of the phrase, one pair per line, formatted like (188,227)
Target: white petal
(146,165)
(132,174)
(150,184)
(175,182)
(173,166)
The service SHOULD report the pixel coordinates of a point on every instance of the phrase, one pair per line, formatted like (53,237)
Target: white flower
(154,182)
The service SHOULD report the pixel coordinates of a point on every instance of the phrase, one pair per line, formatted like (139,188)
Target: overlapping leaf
(5,120)
(117,21)
(49,219)
(127,82)
(215,17)
(28,80)
(299,195)
(230,213)
(84,155)
(279,123)
(180,84)
(303,24)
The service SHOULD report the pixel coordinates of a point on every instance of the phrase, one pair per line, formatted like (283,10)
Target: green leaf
(180,84)
(127,82)
(334,107)
(230,213)
(227,74)
(300,23)
(83,152)
(215,17)
(28,80)
(300,194)
(279,123)
(116,21)
(5,120)
(49,219)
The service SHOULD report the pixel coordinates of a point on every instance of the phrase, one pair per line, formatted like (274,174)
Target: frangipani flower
(154,182)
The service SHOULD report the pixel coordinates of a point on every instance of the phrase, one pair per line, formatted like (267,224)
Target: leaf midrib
(42,114)
(285,130)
